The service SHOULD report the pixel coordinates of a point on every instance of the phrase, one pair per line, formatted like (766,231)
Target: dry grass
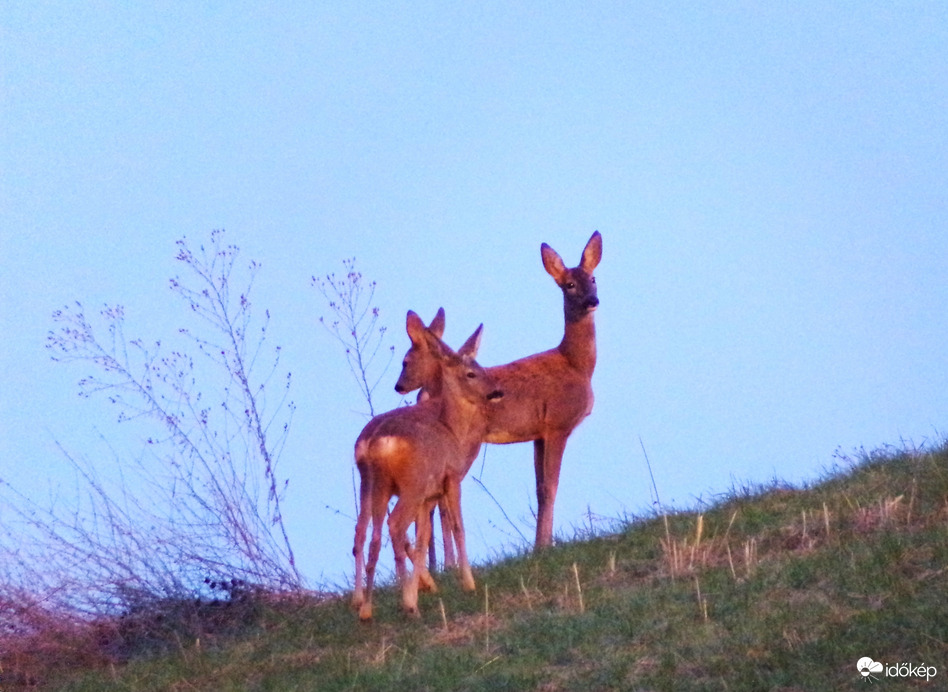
(34,639)
(771,590)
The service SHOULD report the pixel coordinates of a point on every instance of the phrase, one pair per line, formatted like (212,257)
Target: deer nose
(400,389)
(592,302)
(495,395)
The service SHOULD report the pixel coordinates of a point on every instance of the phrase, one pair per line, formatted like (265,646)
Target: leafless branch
(355,325)
(202,502)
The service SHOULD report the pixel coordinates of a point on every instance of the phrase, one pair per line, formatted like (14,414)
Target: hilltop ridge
(770,588)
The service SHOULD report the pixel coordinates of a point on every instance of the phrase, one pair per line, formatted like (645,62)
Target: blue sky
(769,180)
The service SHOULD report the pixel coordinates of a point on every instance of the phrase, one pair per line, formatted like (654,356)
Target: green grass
(770,589)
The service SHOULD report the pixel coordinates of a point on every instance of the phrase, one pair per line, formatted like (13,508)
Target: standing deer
(547,394)
(421,369)
(420,453)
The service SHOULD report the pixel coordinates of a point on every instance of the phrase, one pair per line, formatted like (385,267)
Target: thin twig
(500,507)
(658,502)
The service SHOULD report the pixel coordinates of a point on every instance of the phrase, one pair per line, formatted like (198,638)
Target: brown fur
(420,366)
(420,453)
(547,394)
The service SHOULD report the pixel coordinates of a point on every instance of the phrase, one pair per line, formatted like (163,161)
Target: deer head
(423,365)
(460,373)
(578,284)
(420,367)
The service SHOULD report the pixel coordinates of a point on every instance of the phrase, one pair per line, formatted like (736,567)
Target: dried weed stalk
(201,504)
(355,325)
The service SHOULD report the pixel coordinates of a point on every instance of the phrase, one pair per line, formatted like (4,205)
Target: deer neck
(579,343)
(434,386)
(459,415)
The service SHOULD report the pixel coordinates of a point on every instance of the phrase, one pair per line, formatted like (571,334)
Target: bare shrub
(201,503)
(355,325)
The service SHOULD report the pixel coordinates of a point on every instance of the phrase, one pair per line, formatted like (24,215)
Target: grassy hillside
(770,589)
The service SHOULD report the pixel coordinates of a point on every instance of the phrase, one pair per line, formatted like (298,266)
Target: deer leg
(547,458)
(358,548)
(538,446)
(453,501)
(398,522)
(379,508)
(432,556)
(423,531)
(447,535)
(425,581)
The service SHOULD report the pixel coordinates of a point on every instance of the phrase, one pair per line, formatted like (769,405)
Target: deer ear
(472,344)
(437,324)
(552,262)
(415,328)
(592,253)
(436,345)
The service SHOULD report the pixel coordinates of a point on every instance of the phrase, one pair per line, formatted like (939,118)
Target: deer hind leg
(547,458)
(379,504)
(358,548)
(453,501)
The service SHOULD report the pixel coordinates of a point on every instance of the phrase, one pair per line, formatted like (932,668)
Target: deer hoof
(427,583)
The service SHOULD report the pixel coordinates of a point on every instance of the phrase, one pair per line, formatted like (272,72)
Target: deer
(421,370)
(548,394)
(420,453)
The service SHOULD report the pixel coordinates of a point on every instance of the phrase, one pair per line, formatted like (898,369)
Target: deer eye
(570,285)
(471,375)
(593,279)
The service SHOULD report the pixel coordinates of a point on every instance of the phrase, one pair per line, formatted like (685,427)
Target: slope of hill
(770,589)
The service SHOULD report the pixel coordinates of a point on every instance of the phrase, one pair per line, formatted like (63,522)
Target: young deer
(420,453)
(547,394)
(420,369)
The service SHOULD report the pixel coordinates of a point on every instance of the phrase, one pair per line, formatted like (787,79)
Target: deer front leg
(547,458)
(449,557)
(425,581)
(452,499)
(447,535)
(423,531)
(399,521)
(432,556)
